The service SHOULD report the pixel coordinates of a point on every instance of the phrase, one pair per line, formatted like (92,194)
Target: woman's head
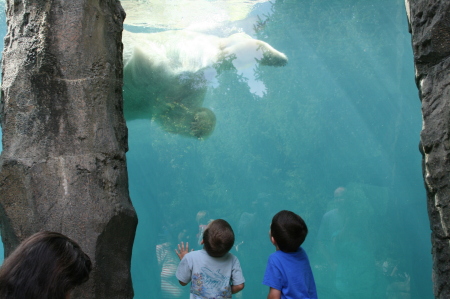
(46,265)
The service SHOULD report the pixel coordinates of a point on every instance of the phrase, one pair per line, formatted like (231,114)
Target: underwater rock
(166,75)
(63,165)
(430,28)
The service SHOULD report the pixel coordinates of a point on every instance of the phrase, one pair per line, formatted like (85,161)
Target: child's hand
(182,250)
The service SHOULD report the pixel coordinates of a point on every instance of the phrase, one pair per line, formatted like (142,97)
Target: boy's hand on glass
(182,250)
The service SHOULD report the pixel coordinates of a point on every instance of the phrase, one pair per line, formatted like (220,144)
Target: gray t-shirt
(211,276)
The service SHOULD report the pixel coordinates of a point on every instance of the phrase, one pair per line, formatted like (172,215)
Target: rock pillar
(429,22)
(63,165)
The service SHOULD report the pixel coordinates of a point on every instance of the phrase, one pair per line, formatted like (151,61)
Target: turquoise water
(342,114)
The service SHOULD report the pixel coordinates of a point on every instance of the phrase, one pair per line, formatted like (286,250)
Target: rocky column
(63,165)
(429,22)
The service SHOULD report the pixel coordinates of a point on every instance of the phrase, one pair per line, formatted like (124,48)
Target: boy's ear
(273,241)
(201,242)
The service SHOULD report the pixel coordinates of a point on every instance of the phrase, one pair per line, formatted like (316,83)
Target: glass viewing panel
(331,135)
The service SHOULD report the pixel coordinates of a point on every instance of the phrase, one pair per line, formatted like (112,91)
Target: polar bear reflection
(166,75)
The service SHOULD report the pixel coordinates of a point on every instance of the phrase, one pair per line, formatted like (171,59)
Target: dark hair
(47,265)
(289,230)
(218,238)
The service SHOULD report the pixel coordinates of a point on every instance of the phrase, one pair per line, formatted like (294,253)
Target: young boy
(212,271)
(288,272)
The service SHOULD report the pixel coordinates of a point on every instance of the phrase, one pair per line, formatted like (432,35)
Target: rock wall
(63,164)
(429,22)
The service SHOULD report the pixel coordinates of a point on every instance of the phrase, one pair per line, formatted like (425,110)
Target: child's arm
(182,283)
(181,252)
(274,294)
(237,288)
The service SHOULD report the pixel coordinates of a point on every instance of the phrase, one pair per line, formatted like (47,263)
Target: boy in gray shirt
(212,271)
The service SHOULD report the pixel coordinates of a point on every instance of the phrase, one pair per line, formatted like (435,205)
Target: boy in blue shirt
(288,272)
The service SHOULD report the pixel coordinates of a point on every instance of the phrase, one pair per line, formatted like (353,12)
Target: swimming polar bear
(166,75)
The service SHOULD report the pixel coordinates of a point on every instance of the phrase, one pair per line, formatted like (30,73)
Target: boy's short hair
(218,238)
(289,230)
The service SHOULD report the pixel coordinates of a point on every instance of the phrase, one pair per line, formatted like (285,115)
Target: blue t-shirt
(210,277)
(290,273)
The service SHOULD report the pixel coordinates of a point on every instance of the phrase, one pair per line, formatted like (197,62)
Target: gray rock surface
(63,165)
(429,22)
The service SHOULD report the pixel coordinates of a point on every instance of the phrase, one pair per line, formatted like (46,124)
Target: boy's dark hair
(289,230)
(218,238)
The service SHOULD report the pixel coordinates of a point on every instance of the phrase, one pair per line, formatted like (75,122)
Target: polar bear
(166,75)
